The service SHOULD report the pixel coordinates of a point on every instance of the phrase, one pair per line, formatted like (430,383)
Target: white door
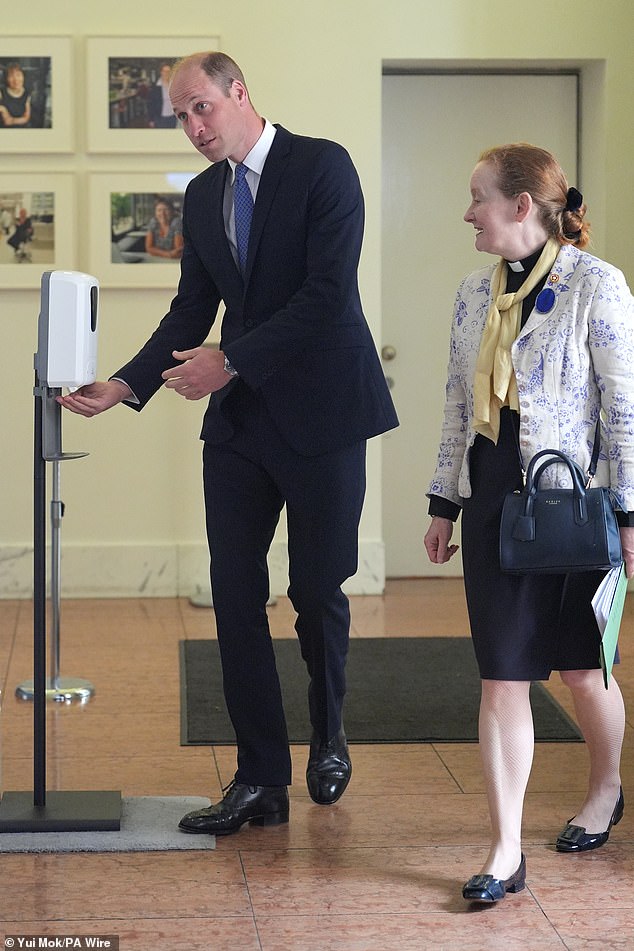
(434,128)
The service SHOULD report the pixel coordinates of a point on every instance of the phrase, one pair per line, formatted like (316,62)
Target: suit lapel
(272,172)
(216,202)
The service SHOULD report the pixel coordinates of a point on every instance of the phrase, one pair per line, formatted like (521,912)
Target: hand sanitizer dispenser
(67,329)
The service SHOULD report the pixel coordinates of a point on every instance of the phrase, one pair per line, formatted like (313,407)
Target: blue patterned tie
(243,210)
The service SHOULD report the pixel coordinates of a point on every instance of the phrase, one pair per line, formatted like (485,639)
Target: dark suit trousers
(247,481)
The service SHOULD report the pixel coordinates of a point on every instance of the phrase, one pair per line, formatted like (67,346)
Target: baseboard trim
(160,570)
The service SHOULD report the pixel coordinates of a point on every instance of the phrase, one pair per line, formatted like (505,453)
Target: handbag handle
(592,468)
(534,473)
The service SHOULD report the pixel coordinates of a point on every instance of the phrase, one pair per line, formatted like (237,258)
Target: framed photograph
(36,101)
(136,233)
(37,216)
(128,107)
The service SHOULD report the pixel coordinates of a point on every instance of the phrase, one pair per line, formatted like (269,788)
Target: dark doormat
(400,690)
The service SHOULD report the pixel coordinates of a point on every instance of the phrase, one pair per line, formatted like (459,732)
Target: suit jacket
(570,363)
(293,328)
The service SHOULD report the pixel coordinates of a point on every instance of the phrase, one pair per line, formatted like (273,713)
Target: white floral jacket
(570,364)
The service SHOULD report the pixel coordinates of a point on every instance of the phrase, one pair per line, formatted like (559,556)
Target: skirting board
(160,570)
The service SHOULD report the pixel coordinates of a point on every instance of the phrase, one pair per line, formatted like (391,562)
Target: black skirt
(523,626)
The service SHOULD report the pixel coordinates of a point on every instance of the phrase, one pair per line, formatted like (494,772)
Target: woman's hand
(438,537)
(627,545)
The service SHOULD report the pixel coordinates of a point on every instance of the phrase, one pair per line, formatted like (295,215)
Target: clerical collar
(526,264)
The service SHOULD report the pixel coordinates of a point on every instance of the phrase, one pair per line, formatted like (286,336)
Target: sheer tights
(506,749)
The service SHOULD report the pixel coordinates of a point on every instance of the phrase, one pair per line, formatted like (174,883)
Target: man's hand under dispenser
(94,398)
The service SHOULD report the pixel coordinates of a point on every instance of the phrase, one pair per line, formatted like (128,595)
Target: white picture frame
(49,200)
(120,74)
(47,64)
(120,206)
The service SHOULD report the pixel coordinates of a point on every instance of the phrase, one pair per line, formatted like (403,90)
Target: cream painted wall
(133,520)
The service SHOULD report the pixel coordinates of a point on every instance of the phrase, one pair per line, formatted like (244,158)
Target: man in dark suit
(296,390)
(160,114)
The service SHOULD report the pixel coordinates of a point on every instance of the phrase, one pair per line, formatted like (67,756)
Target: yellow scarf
(494,384)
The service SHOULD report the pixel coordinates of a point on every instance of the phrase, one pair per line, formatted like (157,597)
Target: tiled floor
(380,870)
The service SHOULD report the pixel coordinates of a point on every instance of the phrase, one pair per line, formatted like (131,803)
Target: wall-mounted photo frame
(37,227)
(35,94)
(128,109)
(136,227)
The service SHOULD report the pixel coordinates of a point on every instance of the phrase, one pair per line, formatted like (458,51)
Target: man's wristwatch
(229,369)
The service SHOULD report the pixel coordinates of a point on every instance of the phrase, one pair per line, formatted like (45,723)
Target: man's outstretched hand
(95,398)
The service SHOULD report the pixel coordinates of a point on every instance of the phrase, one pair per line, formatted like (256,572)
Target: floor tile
(354,881)
(413,769)
(160,933)
(602,879)
(140,885)
(190,772)
(380,870)
(503,928)
(594,929)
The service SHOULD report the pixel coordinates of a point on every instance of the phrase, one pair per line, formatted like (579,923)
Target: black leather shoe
(576,839)
(329,769)
(486,889)
(259,805)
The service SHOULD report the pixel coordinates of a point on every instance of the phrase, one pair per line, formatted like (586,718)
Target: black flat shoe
(576,839)
(259,805)
(486,889)
(329,769)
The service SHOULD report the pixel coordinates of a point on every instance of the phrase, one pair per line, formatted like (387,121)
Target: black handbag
(556,531)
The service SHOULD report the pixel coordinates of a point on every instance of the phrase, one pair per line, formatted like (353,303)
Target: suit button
(249,323)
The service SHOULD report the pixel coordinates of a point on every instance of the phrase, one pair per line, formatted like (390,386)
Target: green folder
(608,604)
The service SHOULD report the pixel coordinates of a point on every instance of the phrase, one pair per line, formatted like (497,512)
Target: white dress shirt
(254,162)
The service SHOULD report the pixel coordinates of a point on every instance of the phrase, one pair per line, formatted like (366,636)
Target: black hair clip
(574,200)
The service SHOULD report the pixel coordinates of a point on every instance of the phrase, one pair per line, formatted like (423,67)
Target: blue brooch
(545,300)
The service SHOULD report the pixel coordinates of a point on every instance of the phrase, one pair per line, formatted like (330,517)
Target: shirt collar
(257,156)
(526,264)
